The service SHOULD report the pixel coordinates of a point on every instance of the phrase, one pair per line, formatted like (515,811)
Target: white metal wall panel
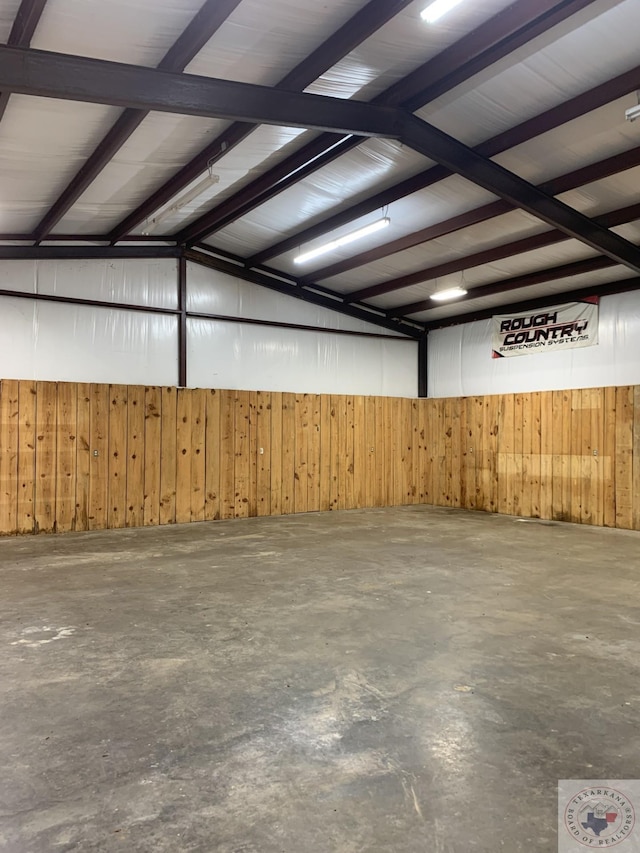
(77,343)
(460,362)
(233,355)
(136,282)
(210,292)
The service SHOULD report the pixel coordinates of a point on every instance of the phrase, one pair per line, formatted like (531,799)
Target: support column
(182,322)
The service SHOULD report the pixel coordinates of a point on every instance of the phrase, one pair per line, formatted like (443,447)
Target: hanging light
(437,9)
(450,292)
(378,225)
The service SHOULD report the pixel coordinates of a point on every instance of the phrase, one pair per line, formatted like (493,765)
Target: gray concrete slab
(400,680)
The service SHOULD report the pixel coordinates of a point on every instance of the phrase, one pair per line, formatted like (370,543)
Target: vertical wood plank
(212,455)
(546,455)
(598,459)
(83,452)
(168,462)
(349,453)
(535,462)
(152,454)
(276,453)
(99,454)
(313,448)
(557,450)
(183,460)
(609,444)
(490,456)
(624,456)
(227,454)
(9,437)
(117,478)
(379,487)
(576,456)
(302,452)
(243,462)
(198,453)
(506,446)
(263,437)
(26,458)
(518,419)
(135,456)
(359,452)
(288,452)
(636,459)
(46,435)
(66,456)
(325,453)
(252,445)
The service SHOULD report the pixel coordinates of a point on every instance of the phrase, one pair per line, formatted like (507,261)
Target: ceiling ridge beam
(22,31)
(555,117)
(376,317)
(357,29)
(556,186)
(503,33)
(620,216)
(97,81)
(198,32)
(467,163)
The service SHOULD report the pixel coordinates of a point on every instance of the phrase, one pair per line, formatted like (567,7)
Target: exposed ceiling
(496,143)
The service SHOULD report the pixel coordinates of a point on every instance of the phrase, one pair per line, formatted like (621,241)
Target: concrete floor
(379,681)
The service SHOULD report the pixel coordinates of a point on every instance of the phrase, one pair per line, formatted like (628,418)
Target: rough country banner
(568,326)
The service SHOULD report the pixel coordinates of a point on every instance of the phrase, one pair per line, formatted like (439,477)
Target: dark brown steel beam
(362,25)
(38,253)
(76,78)
(207,21)
(22,32)
(182,322)
(447,151)
(577,178)
(555,117)
(86,238)
(621,216)
(289,287)
(611,289)
(495,39)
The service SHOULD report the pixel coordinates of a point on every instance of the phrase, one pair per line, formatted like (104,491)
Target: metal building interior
(250,253)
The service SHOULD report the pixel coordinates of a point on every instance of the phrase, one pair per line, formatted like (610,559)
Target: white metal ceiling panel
(135,31)
(399,47)
(587,49)
(8,12)
(42,145)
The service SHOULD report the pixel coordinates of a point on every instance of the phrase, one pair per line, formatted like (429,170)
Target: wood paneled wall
(89,457)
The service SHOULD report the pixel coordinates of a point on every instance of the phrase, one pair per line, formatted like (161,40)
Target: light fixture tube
(451,293)
(632,113)
(437,9)
(378,225)
(196,191)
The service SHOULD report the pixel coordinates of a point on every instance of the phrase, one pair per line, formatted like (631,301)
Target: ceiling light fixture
(378,225)
(633,113)
(195,192)
(446,295)
(437,9)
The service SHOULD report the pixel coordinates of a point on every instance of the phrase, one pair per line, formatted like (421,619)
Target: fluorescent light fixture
(195,192)
(446,295)
(437,9)
(633,113)
(378,225)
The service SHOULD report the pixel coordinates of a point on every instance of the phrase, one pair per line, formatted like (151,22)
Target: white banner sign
(568,326)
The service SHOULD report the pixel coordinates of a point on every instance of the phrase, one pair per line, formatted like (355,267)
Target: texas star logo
(599,817)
